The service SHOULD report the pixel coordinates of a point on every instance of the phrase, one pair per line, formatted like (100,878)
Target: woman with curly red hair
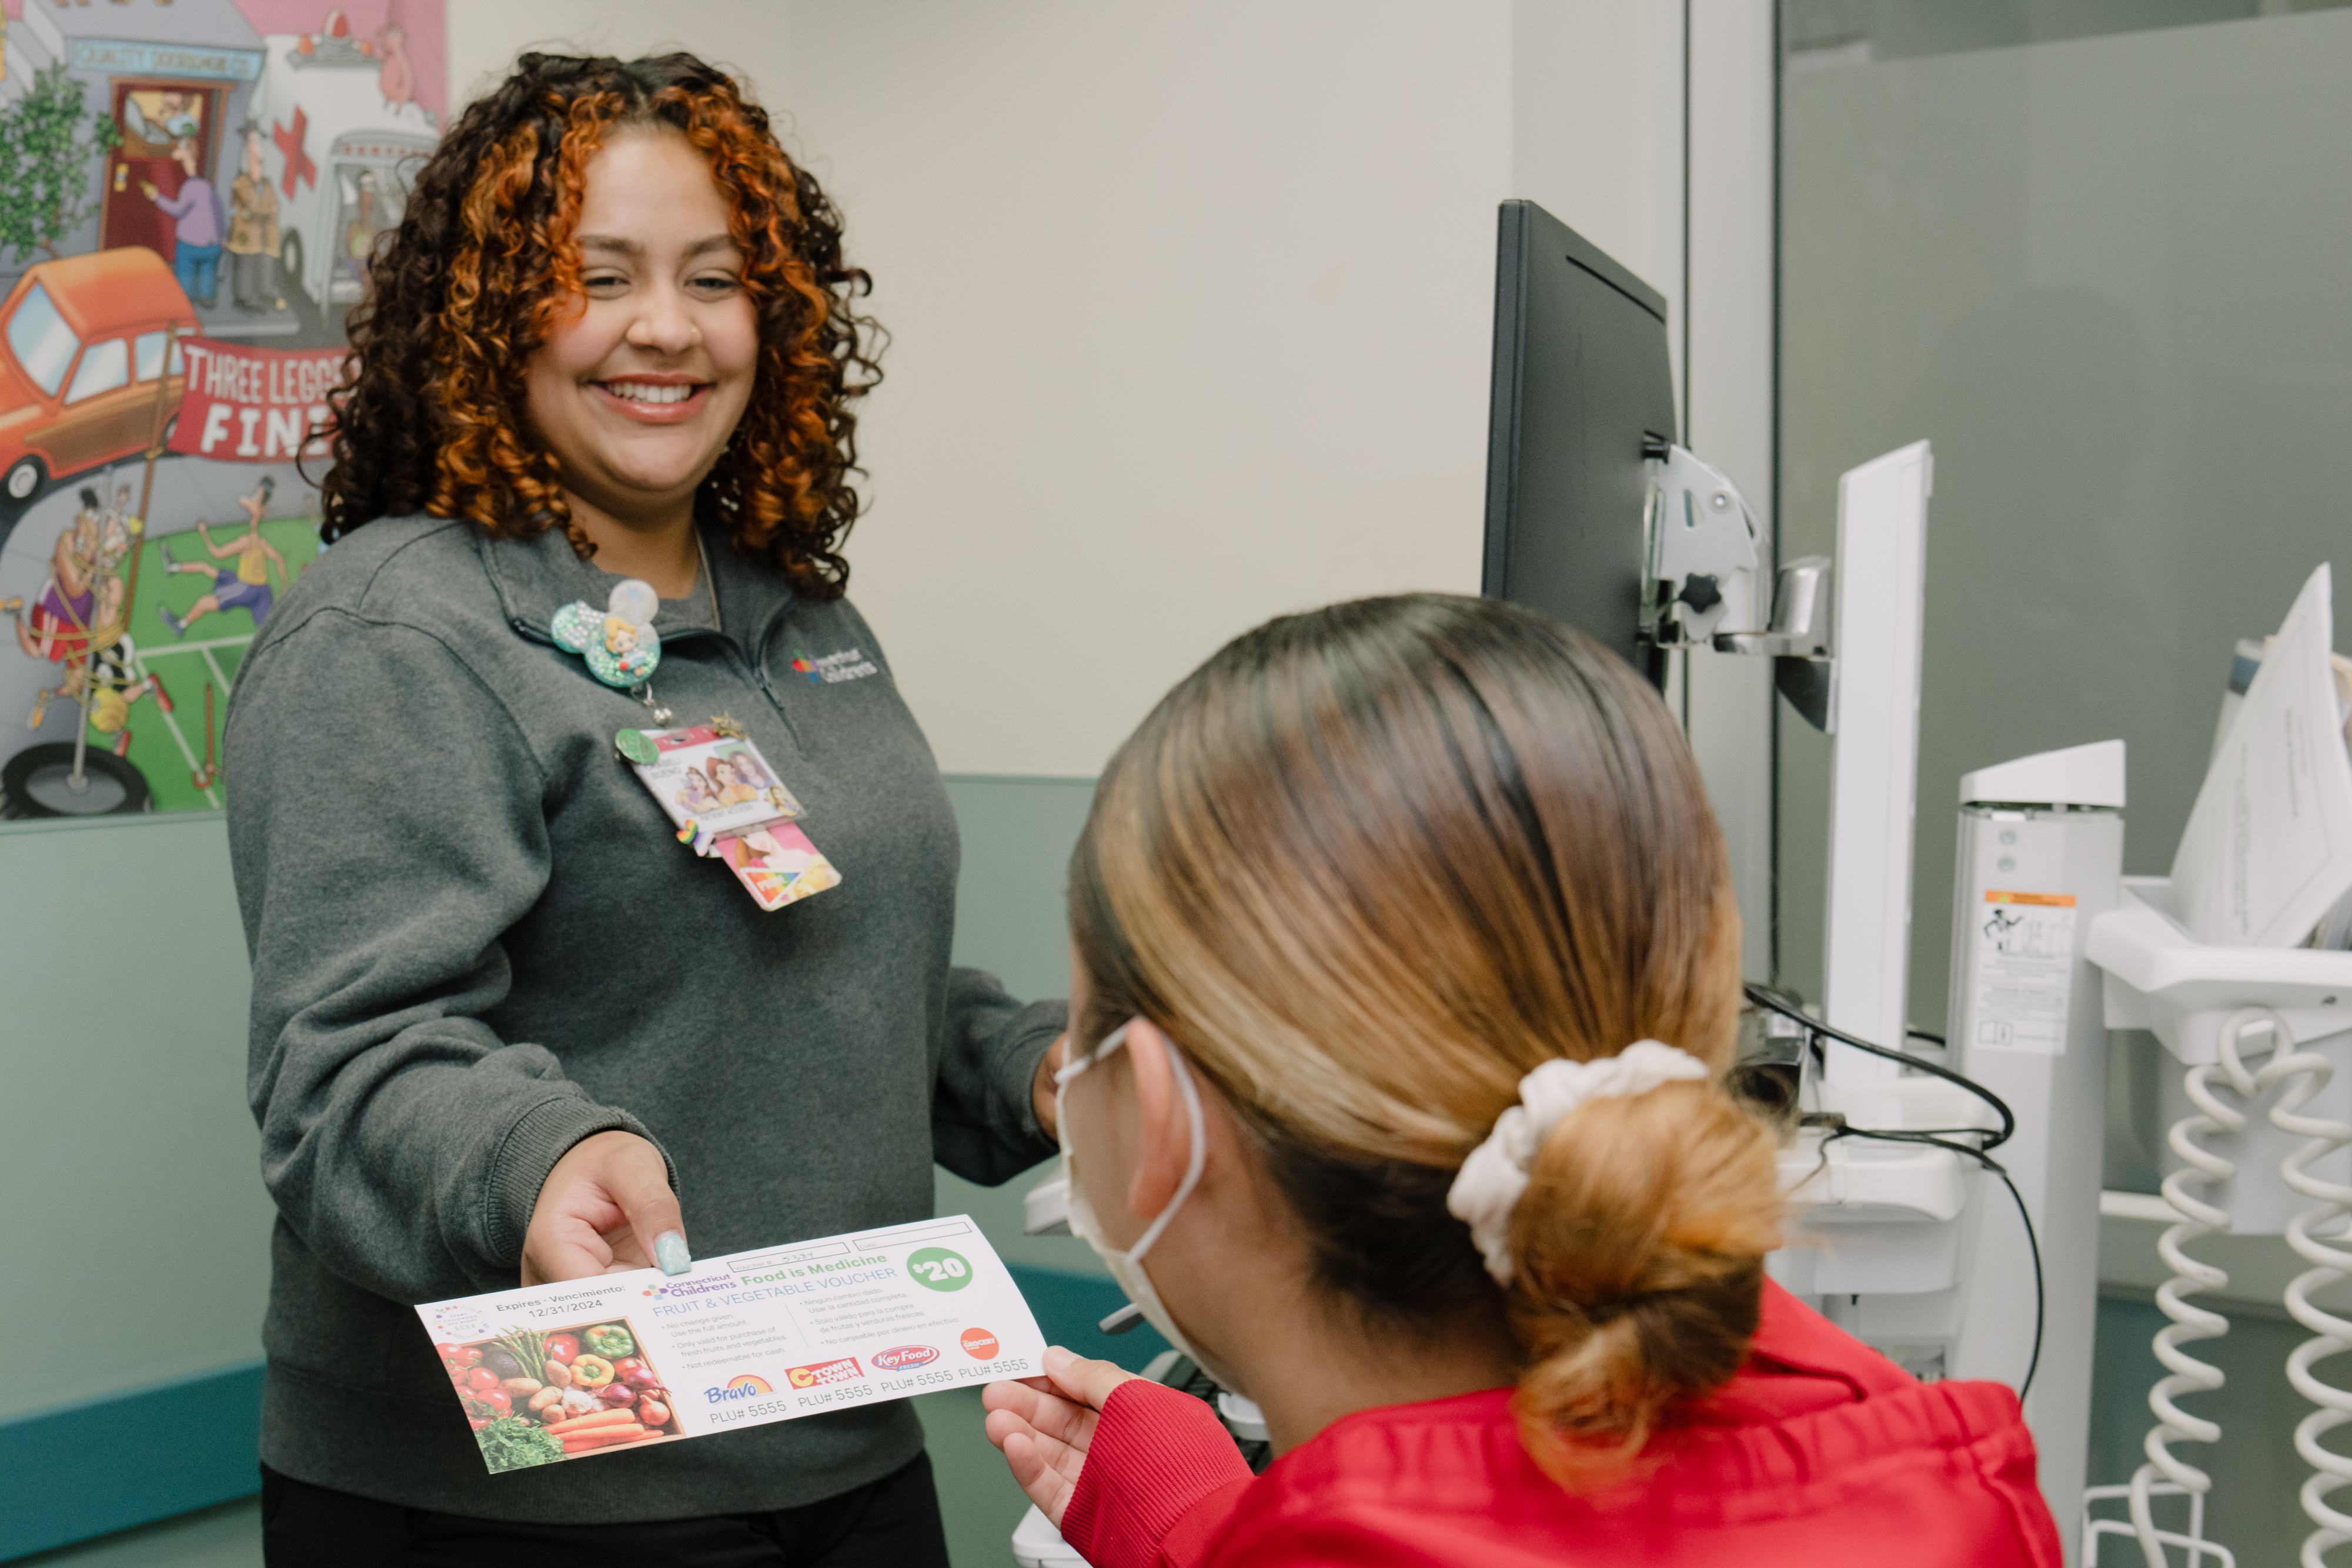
(590,484)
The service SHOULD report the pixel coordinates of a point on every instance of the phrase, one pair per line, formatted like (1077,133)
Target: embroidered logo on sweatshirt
(832,669)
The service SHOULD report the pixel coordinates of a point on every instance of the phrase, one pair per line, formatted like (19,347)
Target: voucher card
(597,1366)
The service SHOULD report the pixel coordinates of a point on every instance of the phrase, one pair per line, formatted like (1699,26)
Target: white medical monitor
(1880,578)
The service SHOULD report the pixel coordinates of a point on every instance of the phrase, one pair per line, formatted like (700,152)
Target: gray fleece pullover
(476,940)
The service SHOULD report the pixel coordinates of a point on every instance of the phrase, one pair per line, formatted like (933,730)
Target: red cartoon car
(81,350)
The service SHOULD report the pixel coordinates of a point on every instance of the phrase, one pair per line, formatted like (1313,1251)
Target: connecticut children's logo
(461,1322)
(832,669)
(742,1385)
(824,1372)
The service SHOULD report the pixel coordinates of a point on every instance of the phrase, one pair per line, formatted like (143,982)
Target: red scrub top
(1818,1453)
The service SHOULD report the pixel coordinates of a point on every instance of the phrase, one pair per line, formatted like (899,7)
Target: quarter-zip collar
(535,577)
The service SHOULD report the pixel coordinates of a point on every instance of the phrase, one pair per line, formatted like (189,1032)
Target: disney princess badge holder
(727,801)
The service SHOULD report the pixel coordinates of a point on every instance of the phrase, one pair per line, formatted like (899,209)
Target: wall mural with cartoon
(190,194)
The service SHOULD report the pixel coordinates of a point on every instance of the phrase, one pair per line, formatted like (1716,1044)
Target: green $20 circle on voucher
(937,1268)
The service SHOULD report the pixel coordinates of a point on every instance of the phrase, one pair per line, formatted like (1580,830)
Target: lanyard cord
(709,585)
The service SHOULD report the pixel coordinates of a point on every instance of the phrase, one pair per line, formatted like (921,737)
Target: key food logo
(742,1385)
(899,1357)
(824,1372)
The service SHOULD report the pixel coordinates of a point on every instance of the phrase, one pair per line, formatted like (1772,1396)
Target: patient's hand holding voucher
(620,1361)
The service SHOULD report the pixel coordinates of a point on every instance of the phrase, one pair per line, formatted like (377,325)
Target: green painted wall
(136,1230)
(1017,837)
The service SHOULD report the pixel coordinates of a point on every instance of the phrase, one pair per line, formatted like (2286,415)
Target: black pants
(894,1521)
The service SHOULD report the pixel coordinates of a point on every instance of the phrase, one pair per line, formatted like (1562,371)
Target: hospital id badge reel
(726,800)
(731,806)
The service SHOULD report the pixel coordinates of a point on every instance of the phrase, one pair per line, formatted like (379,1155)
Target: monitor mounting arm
(1702,589)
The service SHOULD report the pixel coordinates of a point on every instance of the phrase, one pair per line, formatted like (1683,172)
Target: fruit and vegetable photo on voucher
(534,1397)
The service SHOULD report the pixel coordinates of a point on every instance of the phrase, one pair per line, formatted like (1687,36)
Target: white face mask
(1126,1267)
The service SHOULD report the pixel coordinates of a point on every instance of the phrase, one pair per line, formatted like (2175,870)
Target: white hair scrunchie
(1496,1174)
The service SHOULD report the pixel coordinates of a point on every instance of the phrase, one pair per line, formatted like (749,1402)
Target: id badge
(731,806)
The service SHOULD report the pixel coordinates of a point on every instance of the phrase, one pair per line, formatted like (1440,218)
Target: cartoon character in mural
(358,234)
(253,237)
(248,586)
(115,683)
(57,627)
(82,602)
(397,81)
(199,220)
(178,116)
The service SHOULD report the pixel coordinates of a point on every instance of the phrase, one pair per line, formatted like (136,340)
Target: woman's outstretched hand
(605,1209)
(1044,1424)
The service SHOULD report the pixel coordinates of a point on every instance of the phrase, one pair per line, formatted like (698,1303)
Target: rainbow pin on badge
(619,641)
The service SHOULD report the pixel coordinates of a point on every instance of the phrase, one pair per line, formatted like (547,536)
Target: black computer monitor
(1583,382)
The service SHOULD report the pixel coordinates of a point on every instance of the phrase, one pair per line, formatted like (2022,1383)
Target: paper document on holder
(621,1361)
(2269,846)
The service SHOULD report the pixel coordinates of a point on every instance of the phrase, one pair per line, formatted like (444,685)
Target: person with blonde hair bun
(1406,974)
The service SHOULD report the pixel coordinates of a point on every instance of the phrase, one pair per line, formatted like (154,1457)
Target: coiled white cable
(2331,1334)
(2190,1323)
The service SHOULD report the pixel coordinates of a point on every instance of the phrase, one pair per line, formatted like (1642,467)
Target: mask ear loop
(1077,1066)
(1193,1168)
(1199,1160)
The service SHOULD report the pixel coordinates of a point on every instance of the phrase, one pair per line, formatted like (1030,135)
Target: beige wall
(485,36)
(1189,305)
(1597,131)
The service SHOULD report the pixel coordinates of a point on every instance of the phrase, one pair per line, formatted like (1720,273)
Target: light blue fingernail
(669,1251)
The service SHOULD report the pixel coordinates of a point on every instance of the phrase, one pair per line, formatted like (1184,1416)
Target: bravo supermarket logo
(824,1372)
(742,1385)
(899,1357)
(832,669)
